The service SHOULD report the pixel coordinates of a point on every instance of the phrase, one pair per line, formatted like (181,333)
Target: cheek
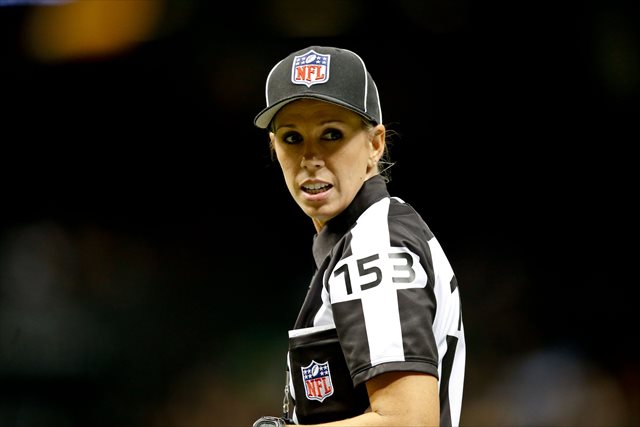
(284,160)
(287,165)
(354,161)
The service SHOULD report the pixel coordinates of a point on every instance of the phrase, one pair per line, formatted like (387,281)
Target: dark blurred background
(152,260)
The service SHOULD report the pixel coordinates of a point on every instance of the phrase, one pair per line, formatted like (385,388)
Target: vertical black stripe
(407,229)
(447,366)
(355,346)
(417,309)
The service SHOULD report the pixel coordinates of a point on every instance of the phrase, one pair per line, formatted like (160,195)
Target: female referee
(379,339)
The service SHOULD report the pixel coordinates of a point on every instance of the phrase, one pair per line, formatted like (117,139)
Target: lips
(316,187)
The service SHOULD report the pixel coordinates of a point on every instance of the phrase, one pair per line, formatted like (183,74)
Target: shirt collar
(373,190)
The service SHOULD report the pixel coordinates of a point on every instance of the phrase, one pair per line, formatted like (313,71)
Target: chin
(322,214)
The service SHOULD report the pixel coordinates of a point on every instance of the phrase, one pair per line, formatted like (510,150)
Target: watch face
(269,422)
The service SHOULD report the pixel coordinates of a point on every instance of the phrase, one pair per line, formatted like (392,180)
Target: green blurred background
(151,259)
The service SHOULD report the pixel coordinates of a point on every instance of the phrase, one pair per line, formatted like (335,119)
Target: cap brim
(264,117)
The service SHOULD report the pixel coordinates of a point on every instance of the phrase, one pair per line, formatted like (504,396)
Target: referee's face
(326,153)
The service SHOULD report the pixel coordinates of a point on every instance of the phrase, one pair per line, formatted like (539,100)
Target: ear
(377,144)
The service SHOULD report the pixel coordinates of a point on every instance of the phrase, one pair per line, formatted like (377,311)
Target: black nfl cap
(330,74)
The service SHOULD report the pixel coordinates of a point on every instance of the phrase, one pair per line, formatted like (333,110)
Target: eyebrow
(324,123)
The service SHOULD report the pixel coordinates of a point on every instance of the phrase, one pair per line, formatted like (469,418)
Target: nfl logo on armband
(317,381)
(310,69)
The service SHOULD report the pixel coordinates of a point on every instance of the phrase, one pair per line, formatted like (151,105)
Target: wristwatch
(268,421)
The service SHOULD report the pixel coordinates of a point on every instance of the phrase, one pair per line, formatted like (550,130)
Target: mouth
(316,188)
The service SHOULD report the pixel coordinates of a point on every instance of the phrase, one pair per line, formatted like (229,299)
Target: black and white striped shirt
(384,298)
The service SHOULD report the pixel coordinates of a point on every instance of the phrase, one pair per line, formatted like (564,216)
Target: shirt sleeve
(382,295)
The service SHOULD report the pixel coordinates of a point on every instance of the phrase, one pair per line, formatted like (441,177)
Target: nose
(311,159)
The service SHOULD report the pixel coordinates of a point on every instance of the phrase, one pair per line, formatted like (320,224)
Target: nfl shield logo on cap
(317,381)
(310,68)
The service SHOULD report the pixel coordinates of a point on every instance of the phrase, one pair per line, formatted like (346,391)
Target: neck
(317,224)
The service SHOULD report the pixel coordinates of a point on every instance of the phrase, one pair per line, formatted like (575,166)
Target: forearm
(397,399)
(374,419)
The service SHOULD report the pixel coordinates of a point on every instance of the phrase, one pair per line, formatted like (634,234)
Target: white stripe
(366,87)
(379,304)
(447,315)
(382,320)
(324,316)
(446,323)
